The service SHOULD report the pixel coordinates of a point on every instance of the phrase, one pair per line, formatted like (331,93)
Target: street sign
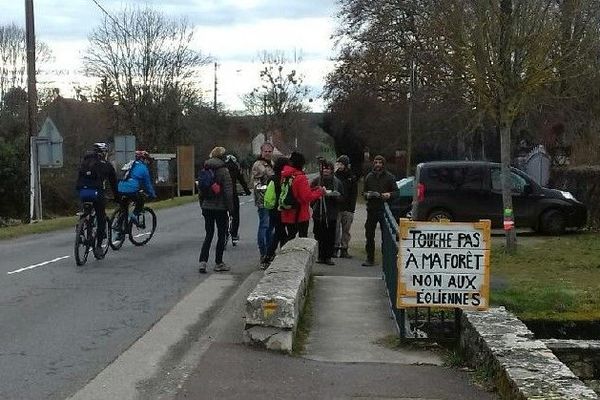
(49,144)
(124,149)
(444,264)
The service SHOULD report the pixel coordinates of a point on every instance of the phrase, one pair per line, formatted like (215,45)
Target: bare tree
(505,51)
(13,57)
(148,62)
(281,96)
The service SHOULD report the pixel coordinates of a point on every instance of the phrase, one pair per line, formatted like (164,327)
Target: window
(518,183)
(454,178)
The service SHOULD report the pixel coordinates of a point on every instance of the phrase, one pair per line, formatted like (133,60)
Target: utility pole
(35,208)
(215,92)
(410,96)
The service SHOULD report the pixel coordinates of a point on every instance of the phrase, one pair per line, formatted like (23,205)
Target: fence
(415,322)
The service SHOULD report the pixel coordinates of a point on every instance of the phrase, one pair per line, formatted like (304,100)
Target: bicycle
(140,228)
(86,234)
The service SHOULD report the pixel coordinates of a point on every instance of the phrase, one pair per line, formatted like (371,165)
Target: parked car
(472,190)
(401,205)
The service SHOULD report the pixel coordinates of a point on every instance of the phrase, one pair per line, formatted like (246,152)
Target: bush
(14,180)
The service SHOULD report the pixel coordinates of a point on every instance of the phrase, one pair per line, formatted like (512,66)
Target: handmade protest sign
(444,264)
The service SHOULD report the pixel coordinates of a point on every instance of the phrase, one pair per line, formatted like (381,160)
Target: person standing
(262,172)
(325,211)
(379,187)
(236,176)
(216,202)
(347,206)
(279,235)
(296,219)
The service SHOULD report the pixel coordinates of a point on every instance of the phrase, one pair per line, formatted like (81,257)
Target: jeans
(212,218)
(373,217)
(279,235)
(265,231)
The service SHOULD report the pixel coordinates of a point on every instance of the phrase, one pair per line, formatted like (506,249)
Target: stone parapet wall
(273,308)
(523,367)
(581,356)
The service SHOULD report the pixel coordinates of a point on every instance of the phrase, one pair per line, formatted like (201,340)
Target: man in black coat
(380,186)
(236,176)
(346,208)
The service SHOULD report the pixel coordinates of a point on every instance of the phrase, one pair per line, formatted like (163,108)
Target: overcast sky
(232,31)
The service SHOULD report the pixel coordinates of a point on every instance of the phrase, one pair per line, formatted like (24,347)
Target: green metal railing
(414,322)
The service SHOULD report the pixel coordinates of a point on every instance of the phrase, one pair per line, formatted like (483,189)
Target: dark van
(471,190)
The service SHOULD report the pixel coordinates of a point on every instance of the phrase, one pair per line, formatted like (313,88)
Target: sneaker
(221,267)
(202,268)
(235,238)
(368,263)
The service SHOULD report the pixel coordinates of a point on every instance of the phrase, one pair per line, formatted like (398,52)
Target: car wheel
(438,215)
(553,222)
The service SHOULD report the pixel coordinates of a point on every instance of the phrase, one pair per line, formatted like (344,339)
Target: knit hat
(344,159)
(297,160)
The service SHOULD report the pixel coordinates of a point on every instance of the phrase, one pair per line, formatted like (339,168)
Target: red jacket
(303,193)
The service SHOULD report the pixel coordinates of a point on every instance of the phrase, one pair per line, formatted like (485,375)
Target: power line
(113,19)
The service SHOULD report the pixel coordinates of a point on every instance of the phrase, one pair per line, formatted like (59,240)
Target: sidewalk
(342,357)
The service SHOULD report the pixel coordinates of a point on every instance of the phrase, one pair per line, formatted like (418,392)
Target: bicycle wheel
(118,230)
(142,230)
(100,251)
(82,244)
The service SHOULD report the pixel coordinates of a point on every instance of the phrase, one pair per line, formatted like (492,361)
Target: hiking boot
(344,253)
(221,267)
(202,268)
(368,263)
(265,261)
(329,261)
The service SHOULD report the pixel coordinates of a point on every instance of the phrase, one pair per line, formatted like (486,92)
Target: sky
(232,32)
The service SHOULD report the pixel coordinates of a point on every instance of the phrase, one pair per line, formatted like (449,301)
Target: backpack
(287,200)
(88,171)
(270,196)
(126,171)
(207,183)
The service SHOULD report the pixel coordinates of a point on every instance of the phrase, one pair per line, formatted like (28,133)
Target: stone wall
(581,356)
(273,308)
(521,366)
(584,184)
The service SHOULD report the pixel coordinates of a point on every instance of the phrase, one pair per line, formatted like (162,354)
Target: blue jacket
(139,178)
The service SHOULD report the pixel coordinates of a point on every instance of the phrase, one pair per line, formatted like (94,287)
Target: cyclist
(236,176)
(94,171)
(137,178)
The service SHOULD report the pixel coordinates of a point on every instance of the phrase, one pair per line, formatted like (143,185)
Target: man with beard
(347,206)
(380,186)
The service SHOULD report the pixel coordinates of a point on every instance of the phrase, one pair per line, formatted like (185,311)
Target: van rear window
(454,178)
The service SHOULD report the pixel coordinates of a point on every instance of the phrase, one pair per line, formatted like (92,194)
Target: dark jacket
(350,182)
(237,176)
(94,171)
(380,182)
(223,201)
(332,204)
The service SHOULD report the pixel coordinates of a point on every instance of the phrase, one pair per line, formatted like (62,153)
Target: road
(61,325)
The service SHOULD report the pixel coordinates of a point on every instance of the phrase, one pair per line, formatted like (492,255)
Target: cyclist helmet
(142,155)
(100,147)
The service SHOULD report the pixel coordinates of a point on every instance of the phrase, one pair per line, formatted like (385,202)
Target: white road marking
(141,234)
(37,265)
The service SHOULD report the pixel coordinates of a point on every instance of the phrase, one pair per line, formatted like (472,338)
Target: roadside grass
(305,321)
(57,223)
(557,278)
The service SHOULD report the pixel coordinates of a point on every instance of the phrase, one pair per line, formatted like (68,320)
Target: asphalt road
(61,325)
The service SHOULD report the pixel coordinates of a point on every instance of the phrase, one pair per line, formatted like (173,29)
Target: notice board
(444,264)
(185,169)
